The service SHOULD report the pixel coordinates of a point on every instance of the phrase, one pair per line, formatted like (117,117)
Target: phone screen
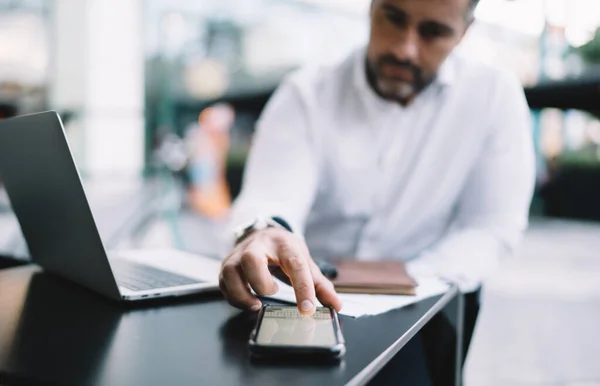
(285,326)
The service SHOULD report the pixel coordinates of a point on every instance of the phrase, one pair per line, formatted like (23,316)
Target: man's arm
(493,209)
(280,180)
(281,172)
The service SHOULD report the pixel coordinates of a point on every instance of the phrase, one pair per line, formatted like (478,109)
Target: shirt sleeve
(492,211)
(281,173)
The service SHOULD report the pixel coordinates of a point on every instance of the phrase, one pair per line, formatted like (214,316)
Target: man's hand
(248,266)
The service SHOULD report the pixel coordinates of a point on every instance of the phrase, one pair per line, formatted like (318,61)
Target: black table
(55,332)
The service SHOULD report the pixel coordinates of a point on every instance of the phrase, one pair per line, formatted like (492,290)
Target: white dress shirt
(444,183)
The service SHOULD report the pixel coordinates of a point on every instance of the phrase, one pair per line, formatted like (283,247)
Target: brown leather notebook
(373,277)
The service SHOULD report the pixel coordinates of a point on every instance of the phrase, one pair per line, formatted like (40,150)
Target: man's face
(409,41)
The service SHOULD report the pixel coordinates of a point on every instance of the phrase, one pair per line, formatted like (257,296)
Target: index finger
(296,266)
(324,289)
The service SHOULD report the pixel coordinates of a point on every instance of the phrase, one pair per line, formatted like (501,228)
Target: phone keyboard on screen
(293,313)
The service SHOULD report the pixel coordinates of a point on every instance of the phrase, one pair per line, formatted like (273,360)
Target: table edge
(366,374)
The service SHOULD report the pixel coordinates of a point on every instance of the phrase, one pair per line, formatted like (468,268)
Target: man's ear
(372,5)
(469,24)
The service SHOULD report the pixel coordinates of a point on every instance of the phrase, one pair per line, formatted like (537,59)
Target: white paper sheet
(9,229)
(357,305)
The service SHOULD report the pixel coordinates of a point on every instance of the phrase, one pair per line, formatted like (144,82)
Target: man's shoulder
(320,80)
(487,75)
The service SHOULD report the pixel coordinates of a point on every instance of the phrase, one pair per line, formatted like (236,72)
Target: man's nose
(407,47)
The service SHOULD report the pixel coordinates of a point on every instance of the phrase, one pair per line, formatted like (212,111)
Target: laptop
(49,201)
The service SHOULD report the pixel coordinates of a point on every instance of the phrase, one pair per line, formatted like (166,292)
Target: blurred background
(159,99)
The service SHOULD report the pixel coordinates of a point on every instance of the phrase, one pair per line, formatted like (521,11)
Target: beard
(395,90)
(392,87)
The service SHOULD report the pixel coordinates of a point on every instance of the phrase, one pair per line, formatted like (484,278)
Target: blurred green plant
(590,52)
(587,156)
(237,158)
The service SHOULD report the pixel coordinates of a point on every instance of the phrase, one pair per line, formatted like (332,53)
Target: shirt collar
(365,92)
(447,73)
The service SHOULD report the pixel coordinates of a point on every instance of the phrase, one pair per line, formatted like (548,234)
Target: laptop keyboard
(140,277)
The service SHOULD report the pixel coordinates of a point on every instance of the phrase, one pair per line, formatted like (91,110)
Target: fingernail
(306,305)
(275,288)
(256,307)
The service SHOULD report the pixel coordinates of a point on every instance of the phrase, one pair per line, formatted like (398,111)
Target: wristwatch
(327,269)
(258,224)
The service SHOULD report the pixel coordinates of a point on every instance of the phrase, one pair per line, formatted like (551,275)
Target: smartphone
(281,331)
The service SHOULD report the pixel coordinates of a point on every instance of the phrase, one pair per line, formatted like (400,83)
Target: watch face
(242,232)
(260,224)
